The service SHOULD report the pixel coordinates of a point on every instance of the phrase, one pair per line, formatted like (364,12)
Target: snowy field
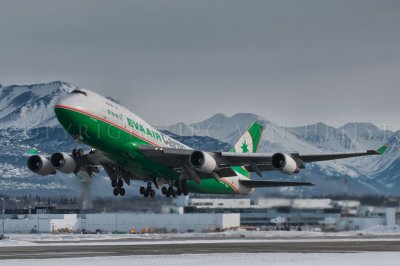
(270,259)
(378,233)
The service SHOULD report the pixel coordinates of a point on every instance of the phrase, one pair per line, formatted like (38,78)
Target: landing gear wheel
(116,191)
(114,182)
(120,183)
(170,192)
(179,192)
(142,190)
(185,192)
(122,191)
(164,190)
(80,152)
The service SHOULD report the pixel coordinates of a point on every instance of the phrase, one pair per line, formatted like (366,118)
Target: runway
(99,249)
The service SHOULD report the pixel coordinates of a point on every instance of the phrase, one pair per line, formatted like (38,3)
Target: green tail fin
(249,142)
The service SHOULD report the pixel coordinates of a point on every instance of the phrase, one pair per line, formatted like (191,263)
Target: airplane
(128,148)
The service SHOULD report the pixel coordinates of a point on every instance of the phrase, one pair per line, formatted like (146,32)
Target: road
(71,250)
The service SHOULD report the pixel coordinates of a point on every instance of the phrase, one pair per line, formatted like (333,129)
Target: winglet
(383,149)
(32,151)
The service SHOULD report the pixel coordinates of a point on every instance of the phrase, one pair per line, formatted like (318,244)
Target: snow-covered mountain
(350,176)
(27,119)
(26,107)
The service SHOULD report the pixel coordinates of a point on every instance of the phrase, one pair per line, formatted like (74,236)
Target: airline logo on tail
(249,142)
(245,144)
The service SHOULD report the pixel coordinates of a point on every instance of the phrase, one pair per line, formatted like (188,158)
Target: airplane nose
(71,100)
(69,109)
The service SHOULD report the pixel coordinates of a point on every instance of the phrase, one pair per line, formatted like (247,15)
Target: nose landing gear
(77,152)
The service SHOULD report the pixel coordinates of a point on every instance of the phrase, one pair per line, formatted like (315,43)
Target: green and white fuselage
(118,133)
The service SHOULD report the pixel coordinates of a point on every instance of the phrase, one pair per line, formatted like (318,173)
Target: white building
(121,222)
(42,223)
(220,203)
(295,203)
(368,217)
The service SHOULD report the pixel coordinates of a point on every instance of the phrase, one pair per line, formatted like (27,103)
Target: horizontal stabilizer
(255,184)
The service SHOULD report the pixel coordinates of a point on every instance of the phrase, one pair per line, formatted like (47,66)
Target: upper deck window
(79,91)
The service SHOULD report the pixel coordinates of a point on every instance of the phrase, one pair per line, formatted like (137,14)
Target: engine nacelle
(203,162)
(284,163)
(40,165)
(63,162)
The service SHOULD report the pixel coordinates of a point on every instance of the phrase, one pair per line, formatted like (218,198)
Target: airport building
(44,223)
(299,214)
(121,222)
(187,214)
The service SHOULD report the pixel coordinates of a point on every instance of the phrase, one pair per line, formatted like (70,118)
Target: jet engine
(284,163)
(203,162)
(63,162)
(40,165)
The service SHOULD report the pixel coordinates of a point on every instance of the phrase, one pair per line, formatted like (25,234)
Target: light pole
(3,211)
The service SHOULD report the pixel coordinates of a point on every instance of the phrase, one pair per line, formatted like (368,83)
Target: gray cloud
(293,62)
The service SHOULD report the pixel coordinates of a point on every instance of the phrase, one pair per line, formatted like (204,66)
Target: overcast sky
(292,62)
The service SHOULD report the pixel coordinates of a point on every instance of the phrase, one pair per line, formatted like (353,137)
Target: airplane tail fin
(249,142)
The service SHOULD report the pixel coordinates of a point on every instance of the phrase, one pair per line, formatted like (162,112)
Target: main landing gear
(148,191)
(77,152)
(118,184)
(170,191)
(181,188)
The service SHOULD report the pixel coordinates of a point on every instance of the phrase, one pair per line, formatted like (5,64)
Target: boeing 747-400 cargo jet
(128,149)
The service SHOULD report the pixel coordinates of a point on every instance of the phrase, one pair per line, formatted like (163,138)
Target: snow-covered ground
(380,233)
(232,259)
(270,259)
(191,241)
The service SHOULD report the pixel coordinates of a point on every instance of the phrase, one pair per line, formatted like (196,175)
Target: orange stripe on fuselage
(230,184)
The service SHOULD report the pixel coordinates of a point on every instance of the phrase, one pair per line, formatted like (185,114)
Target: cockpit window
(79,91)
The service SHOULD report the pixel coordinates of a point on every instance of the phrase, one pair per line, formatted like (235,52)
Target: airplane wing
(252,162)
(261,158)
(334,156)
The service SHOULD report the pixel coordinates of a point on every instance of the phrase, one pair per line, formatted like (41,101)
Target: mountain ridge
(27,119)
